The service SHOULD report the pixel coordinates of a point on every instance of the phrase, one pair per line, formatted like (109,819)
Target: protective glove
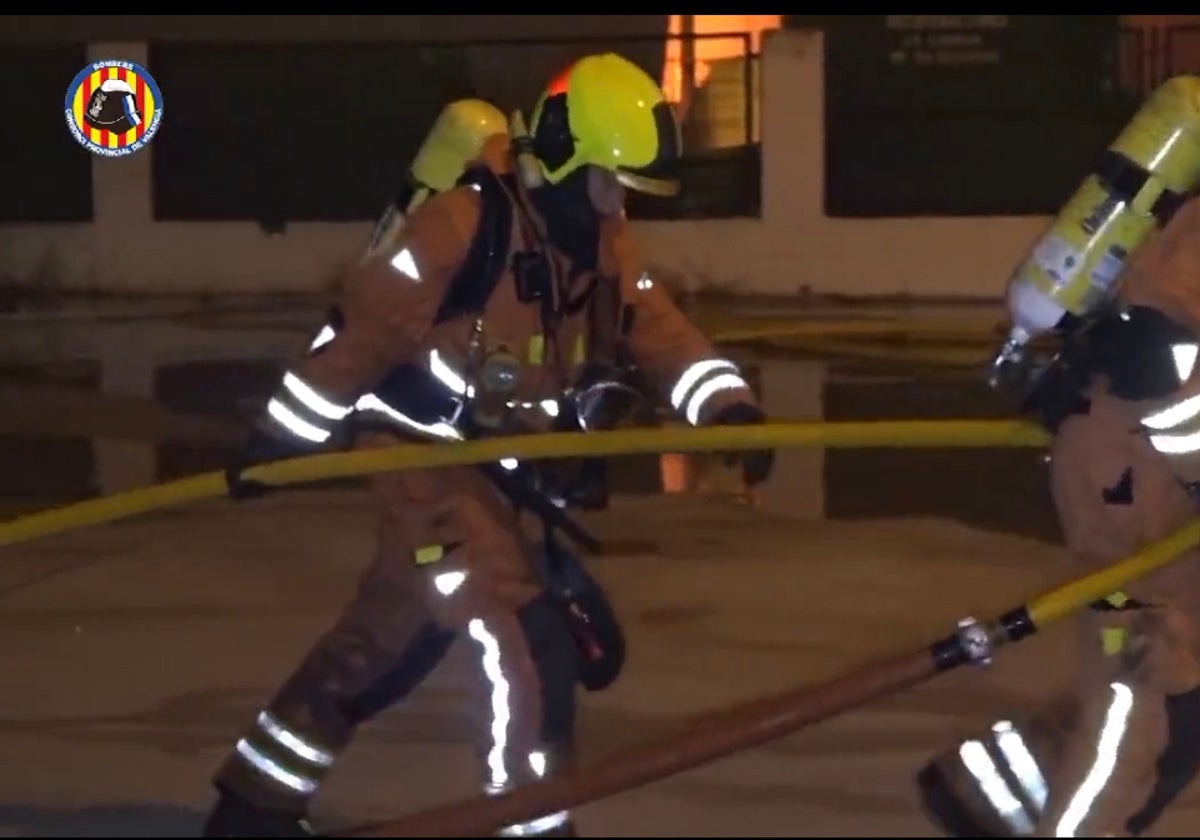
(259,448)
(757,463)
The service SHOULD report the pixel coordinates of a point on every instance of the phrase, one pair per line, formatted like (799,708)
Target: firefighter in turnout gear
(1123,402)
(505,306)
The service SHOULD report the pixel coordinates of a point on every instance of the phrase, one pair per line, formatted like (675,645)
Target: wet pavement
(193,411)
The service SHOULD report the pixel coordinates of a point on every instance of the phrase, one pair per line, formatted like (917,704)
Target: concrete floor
(139,651)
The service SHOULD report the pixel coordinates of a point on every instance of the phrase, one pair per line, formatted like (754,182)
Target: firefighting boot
(567,829)
(994,785)
(944,808)
(233,816)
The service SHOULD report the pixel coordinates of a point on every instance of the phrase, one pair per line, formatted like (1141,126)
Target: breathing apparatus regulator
(1072,273)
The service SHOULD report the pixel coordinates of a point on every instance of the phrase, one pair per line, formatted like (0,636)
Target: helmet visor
(640,181)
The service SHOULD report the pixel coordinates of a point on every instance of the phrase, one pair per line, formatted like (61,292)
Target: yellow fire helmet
(606,111)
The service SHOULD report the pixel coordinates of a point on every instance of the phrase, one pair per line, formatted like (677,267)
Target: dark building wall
(48,176)
(322,27)
(965,114)
(289,118)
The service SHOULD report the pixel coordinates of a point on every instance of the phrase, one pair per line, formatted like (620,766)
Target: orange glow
(675,470)
(559,85)
(711,49)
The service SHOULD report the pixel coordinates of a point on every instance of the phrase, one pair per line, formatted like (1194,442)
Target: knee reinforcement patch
(419,658)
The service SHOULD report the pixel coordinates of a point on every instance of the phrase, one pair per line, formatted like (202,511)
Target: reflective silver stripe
(448,376)
(699,381)
(995,789)
(1182,444)
(1021,762)
(1184,356)
(272,769)
(537,826)
(1173,428)
(439,430)
(303,411)
(406,264)
(311,399)
(1167,426)
(706,391)
(693,373)
(501,713)
(1173,415)
(295,424)
(498,774)
(447,583)
(1108,746)
(292,742)
(325,336)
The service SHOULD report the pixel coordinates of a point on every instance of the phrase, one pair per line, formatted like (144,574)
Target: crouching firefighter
(1122,399)
(506,305)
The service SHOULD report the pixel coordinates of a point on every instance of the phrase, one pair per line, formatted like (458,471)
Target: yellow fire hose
(779,435)
(756,722)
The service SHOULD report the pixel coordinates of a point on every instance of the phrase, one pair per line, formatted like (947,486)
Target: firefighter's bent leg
(453,563)
(386,631)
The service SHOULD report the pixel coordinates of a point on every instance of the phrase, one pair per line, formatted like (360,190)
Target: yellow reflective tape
(1112,640)
(537,349)
(579,354)
(1118,599)
(428,554)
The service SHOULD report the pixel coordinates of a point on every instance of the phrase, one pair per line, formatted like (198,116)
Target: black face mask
(571,221)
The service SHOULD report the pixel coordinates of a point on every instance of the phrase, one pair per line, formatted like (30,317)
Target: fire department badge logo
(113,108)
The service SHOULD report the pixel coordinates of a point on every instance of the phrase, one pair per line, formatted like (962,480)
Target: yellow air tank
(1074,267)
(456,138)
